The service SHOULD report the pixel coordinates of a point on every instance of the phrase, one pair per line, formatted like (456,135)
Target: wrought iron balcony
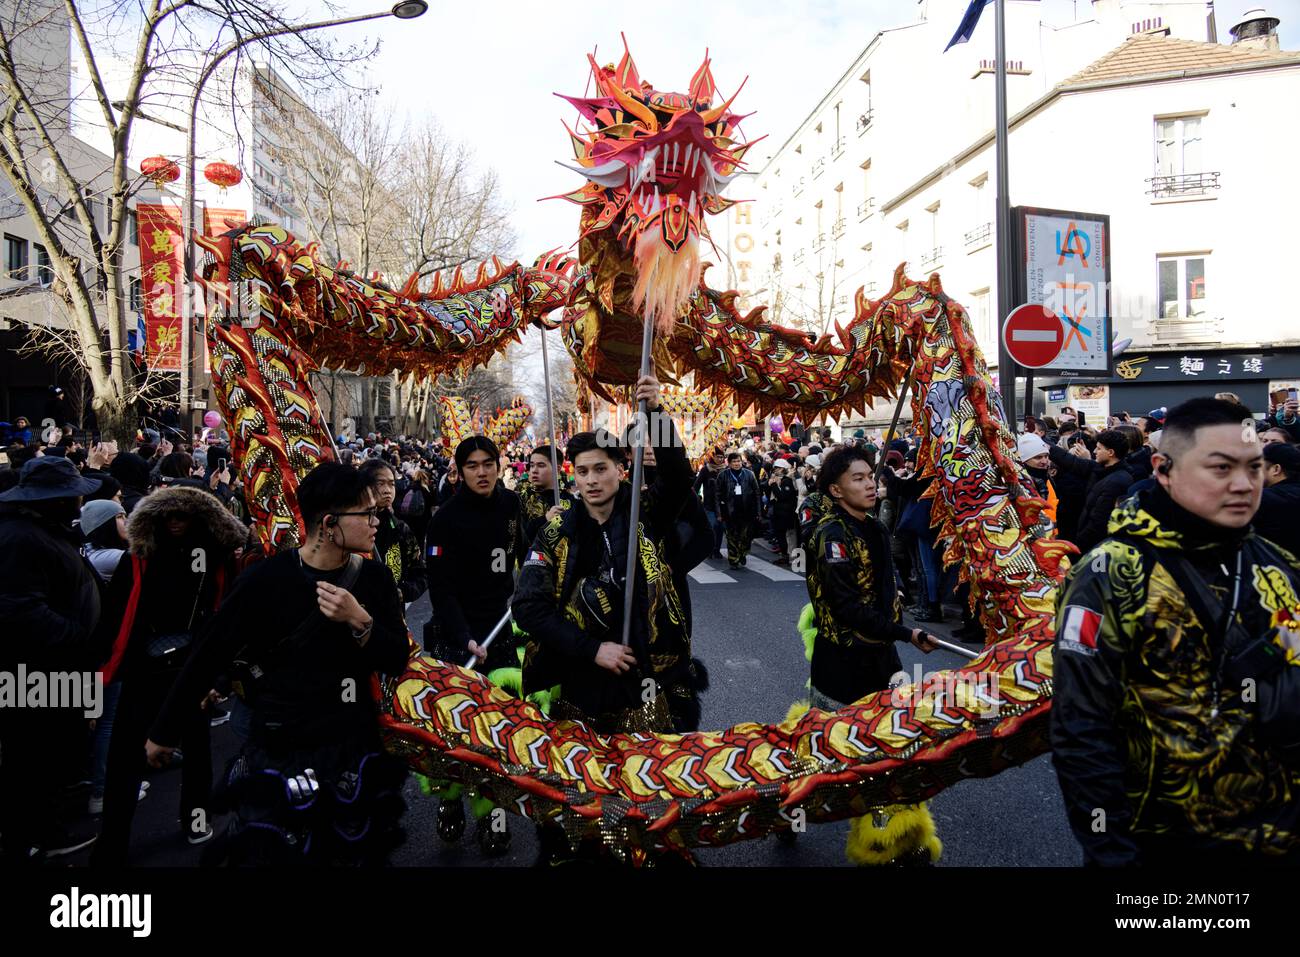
(867,207)
(799,256)
(1184,184)
(980,236)
(864,122)
(931,259)
(837,230)
(819,242)
(838,148)
(818,167)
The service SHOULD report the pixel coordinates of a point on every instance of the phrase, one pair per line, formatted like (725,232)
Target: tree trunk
(116,420)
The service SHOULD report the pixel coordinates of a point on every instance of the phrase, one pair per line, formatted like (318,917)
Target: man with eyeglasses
(305,630)
(395,543)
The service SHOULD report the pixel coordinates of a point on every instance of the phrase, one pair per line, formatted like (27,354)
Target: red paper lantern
(160,169)
(224,175)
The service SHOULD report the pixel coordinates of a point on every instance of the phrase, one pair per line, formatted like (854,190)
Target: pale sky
(487,70)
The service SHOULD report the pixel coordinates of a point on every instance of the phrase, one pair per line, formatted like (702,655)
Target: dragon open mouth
(655,163)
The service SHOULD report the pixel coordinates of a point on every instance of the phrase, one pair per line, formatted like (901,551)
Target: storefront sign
(161,285)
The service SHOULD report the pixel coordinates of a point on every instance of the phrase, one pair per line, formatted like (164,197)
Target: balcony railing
(1184,184)
(978,237)
(931,259)
(819,167)
(864,122)
(799,256)
(867,207)
(1197,328)
(838,148)
(837,230)
(797,188)
(819,242)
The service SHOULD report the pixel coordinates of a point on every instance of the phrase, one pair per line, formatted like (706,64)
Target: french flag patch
(1079,629)
(836,552)
(805,515)
(535,557)
(435,551)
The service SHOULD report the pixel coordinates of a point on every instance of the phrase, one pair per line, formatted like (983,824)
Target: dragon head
(655,163)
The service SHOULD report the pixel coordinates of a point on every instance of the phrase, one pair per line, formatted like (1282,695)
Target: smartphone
(1080,419)
(1293,395)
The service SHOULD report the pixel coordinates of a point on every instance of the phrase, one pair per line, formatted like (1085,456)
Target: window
(137,300)
(981,319)
(1180,160)
(15,257)
(1178,146)
(44,271)
(1182,287)
(133,226)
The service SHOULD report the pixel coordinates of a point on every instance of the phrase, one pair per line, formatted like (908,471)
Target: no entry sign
(1033,335)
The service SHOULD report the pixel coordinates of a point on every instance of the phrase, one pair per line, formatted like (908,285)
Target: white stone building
(1132,112)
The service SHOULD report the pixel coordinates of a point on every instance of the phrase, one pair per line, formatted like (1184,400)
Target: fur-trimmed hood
(144,526)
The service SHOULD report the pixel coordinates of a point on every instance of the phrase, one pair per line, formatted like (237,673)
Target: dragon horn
(715,114)
(629,104)
(626,74)
(702,86)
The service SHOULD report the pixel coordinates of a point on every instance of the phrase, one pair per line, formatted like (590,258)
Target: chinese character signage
(161,284)
(1065,266)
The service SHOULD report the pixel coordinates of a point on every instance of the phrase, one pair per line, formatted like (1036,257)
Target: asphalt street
(745,632)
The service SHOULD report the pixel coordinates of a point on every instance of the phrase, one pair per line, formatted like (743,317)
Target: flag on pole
(966,29)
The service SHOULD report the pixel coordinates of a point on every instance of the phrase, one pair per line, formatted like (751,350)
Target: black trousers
(143,695)
(34,749)
(739,537)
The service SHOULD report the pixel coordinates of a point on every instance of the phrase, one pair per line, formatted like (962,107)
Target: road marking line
(704,575)
(770,571)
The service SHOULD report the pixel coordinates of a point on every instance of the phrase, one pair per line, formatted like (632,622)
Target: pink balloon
(212,418)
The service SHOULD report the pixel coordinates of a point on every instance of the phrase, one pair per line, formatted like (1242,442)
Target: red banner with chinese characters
(161,284)
(215,222)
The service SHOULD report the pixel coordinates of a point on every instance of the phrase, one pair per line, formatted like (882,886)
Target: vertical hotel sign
(161,284)
(1065,266)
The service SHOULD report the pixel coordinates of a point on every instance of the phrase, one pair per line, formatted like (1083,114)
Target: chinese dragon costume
(654,164)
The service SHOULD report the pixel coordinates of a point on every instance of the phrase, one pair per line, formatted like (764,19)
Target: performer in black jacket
(738,504)
(312,783)
(537,495)
(853,589)
(570,593)
(471,551)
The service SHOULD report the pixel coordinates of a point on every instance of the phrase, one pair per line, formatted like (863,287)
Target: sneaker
(219,717)
(491,842)
(451,820)
(743,562)
(68,842)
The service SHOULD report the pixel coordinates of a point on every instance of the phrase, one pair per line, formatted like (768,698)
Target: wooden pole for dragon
(639,433)
(550,417)
(898,409)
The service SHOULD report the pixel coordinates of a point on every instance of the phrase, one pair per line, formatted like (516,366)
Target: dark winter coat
(49,595)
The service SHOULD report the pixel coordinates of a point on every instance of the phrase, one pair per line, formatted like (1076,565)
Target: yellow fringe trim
(797,711)
(907,829)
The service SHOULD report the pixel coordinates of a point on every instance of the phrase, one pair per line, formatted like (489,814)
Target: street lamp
(403,10)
